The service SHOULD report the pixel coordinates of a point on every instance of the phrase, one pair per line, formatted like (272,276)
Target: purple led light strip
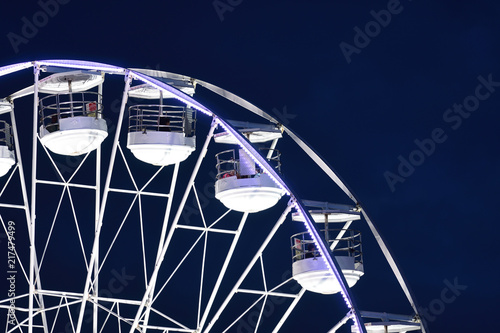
(5,70)
(79,64)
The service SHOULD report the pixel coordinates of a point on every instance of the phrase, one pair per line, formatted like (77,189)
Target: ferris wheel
(129,205)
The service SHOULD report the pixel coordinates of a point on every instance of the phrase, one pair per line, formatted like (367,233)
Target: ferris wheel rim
(243,142)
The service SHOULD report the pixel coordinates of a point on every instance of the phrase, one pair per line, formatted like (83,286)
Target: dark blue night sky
(400,97)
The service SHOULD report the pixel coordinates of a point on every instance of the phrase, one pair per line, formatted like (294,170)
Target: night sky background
(361,102)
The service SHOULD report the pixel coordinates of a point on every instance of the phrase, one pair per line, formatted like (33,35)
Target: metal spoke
(144,187)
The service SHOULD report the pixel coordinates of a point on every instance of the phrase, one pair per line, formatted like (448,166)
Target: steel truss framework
(42,309)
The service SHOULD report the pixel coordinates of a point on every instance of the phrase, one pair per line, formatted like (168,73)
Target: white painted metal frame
(333,175)
(145,306)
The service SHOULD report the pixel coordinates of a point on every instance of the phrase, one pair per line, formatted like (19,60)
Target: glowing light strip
(5,70)
(79,64)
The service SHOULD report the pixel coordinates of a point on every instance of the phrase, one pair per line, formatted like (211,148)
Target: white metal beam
(158,263)
(31,231)
(103,204)
(166,217)
(289,310)
(223,269)
(256,257)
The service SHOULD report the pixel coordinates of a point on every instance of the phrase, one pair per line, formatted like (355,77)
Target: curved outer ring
(144,75)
